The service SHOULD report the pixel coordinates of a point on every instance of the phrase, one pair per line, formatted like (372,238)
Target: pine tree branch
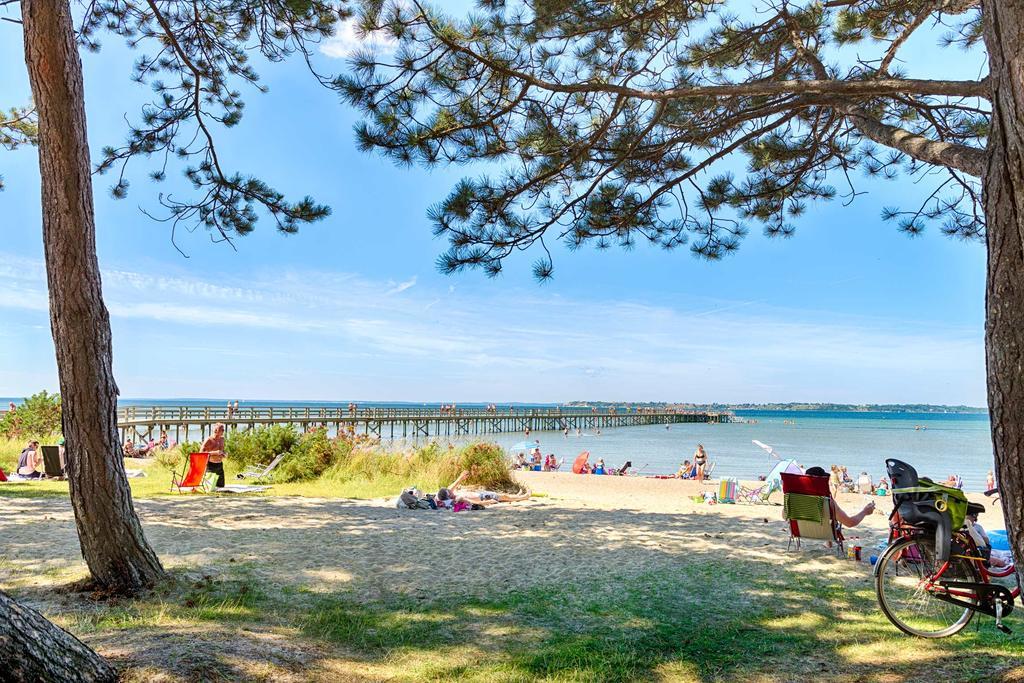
(820,86)
(969,160)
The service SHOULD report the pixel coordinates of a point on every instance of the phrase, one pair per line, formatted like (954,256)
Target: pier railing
(189,422)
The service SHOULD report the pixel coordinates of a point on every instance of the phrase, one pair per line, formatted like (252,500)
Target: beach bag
(727,490)
(944,498)
(408,500)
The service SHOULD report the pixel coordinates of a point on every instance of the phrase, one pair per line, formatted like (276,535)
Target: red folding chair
(810,510)
(3,477)
(194,475)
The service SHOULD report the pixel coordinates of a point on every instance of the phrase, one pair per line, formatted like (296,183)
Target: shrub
(173,458)
(487,466)
(38,416)
(259,446)
(309,459)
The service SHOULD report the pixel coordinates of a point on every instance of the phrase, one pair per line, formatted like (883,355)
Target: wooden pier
(191,422)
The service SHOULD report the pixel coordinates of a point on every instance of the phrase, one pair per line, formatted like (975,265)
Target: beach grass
(365,471)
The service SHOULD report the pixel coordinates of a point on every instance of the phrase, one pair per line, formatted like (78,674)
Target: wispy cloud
(402,286)
(327,335)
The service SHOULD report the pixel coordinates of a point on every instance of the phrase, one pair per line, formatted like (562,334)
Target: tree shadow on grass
(647,630)
(544,592)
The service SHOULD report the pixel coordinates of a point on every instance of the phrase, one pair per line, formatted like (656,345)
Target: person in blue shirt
(599,467)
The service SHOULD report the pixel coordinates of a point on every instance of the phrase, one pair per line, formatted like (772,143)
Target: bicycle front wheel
(901,583)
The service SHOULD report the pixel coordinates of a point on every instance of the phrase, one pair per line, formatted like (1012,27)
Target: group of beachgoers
(841,481)
(698,468)
(536,461)
(454,498)
(146,449)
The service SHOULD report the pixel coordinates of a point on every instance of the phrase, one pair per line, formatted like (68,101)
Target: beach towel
(803,507)
(241,488)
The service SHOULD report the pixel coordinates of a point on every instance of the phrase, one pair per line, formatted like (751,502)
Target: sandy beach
(576,530)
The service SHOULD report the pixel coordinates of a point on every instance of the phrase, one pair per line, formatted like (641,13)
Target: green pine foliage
(673,123)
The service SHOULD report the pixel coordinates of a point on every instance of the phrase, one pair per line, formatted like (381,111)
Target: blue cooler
(999,540)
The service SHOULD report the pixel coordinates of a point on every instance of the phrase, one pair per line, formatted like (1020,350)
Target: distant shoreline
(890,408)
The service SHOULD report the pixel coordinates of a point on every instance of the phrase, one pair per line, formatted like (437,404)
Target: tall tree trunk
(1004,293)
(33,649)
(113,545)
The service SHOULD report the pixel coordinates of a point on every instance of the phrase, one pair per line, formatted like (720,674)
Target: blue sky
(848,310)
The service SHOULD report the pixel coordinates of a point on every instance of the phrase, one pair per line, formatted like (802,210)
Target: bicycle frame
(961,594)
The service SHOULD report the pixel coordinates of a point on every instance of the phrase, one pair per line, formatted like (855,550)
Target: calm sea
(945,443)
(937,444)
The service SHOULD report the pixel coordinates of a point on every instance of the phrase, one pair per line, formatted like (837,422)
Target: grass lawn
(293,589)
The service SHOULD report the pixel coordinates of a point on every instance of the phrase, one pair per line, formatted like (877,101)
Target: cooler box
(999,540)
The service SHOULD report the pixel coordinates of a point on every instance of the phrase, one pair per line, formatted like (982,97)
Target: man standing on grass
(214,445)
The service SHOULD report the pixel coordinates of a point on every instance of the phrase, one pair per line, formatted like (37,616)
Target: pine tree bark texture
(33,649)
(1004,292)
(113,545)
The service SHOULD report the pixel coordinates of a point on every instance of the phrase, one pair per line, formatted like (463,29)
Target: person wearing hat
(847,520)
(60,453)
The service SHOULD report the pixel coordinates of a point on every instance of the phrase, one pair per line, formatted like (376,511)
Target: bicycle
(930,582)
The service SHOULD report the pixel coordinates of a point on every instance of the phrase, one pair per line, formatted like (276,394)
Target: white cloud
(402,286)
(347,40)
(342,329)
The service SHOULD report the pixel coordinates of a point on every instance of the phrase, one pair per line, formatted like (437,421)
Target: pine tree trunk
(113,545)
(33,649)
(1004,294)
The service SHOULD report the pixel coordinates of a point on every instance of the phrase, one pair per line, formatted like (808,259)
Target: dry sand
(576,528)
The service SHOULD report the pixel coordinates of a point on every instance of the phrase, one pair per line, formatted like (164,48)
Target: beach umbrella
(577,466)
(771,451)
(525,446)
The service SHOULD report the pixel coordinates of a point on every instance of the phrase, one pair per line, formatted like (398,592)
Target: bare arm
(850,521)
(455,484)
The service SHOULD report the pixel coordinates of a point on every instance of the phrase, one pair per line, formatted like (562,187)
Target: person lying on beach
(844,518)
(450,495)
(981,538)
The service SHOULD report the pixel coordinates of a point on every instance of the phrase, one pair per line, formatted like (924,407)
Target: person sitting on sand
(685,470)
(847,520)
(864,484)
(29,461)
(550,462)
(599,467)
(520,462)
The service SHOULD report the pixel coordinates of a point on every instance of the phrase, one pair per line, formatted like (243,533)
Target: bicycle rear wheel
(900,583)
